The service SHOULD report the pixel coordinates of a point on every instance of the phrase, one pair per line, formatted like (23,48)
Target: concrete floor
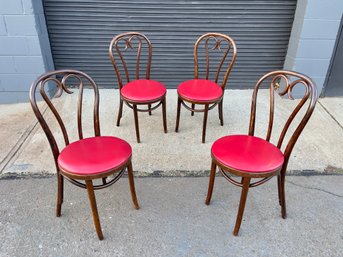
(173,219)
(25,149)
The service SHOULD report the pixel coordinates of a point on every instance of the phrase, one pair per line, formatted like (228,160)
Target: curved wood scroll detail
(61,79)
(283,82)
(128,39)
(221,43)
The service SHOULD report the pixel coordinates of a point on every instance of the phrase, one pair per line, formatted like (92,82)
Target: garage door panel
(80,32)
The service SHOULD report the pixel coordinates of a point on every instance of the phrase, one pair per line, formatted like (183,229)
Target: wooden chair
(87,159)
(203,91)
(138,92)
(250,157)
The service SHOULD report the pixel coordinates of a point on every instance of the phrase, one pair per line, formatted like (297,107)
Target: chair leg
(204,123)
(283,198)
(135,114)
(244,194)
(178,114)
(220,111)
(211,183)
(193,106)
(149,106)
(279,187)
(164,114)
(92,201)
(132,186)
(120,113)
(60,186)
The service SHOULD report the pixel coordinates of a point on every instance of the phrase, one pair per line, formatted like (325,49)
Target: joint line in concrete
(339,124)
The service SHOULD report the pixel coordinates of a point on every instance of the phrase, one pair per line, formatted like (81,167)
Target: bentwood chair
(250,157)
(87,159)
(140,91)
(201,90)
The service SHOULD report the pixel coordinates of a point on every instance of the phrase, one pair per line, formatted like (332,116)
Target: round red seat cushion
(91,156)
(200,90)
(247,153)
(143,90)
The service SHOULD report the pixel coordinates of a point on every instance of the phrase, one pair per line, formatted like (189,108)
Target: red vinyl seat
(91,156)
(200,90)
(143,90)
(247,153)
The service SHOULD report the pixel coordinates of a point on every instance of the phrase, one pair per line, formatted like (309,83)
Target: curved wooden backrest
(286,81)
(61,79)
(128,40)
(218,40)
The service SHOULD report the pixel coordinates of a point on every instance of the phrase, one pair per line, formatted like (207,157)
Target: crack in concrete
(315,188)
(15,149)
(327,111)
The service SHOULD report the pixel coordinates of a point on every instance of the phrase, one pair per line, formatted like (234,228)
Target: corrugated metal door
(80,32)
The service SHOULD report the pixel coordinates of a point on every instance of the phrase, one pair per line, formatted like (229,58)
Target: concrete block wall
(313,38)
(24,48)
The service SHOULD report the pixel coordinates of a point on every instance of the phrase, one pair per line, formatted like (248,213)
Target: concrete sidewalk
(173,219)
(25,149)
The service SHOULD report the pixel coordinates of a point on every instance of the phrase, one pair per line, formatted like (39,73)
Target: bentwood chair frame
(128,39)
(279,79)
(218,39)
(83,181)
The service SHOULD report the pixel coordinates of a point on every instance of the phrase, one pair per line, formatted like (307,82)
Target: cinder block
(28,6)
(293,47)
(299,91)
(289,63)
(296,29)
(312,67)
(7,65)
(46,51)
(13,46)
(3,30)
(42,23)
(11,7)
(33,6)
(22,25)
(319,83)
(319,9)
(29,64)
(319,29)
(33,44)
(14,97)
(315,49)
(16,82)
(301,9)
